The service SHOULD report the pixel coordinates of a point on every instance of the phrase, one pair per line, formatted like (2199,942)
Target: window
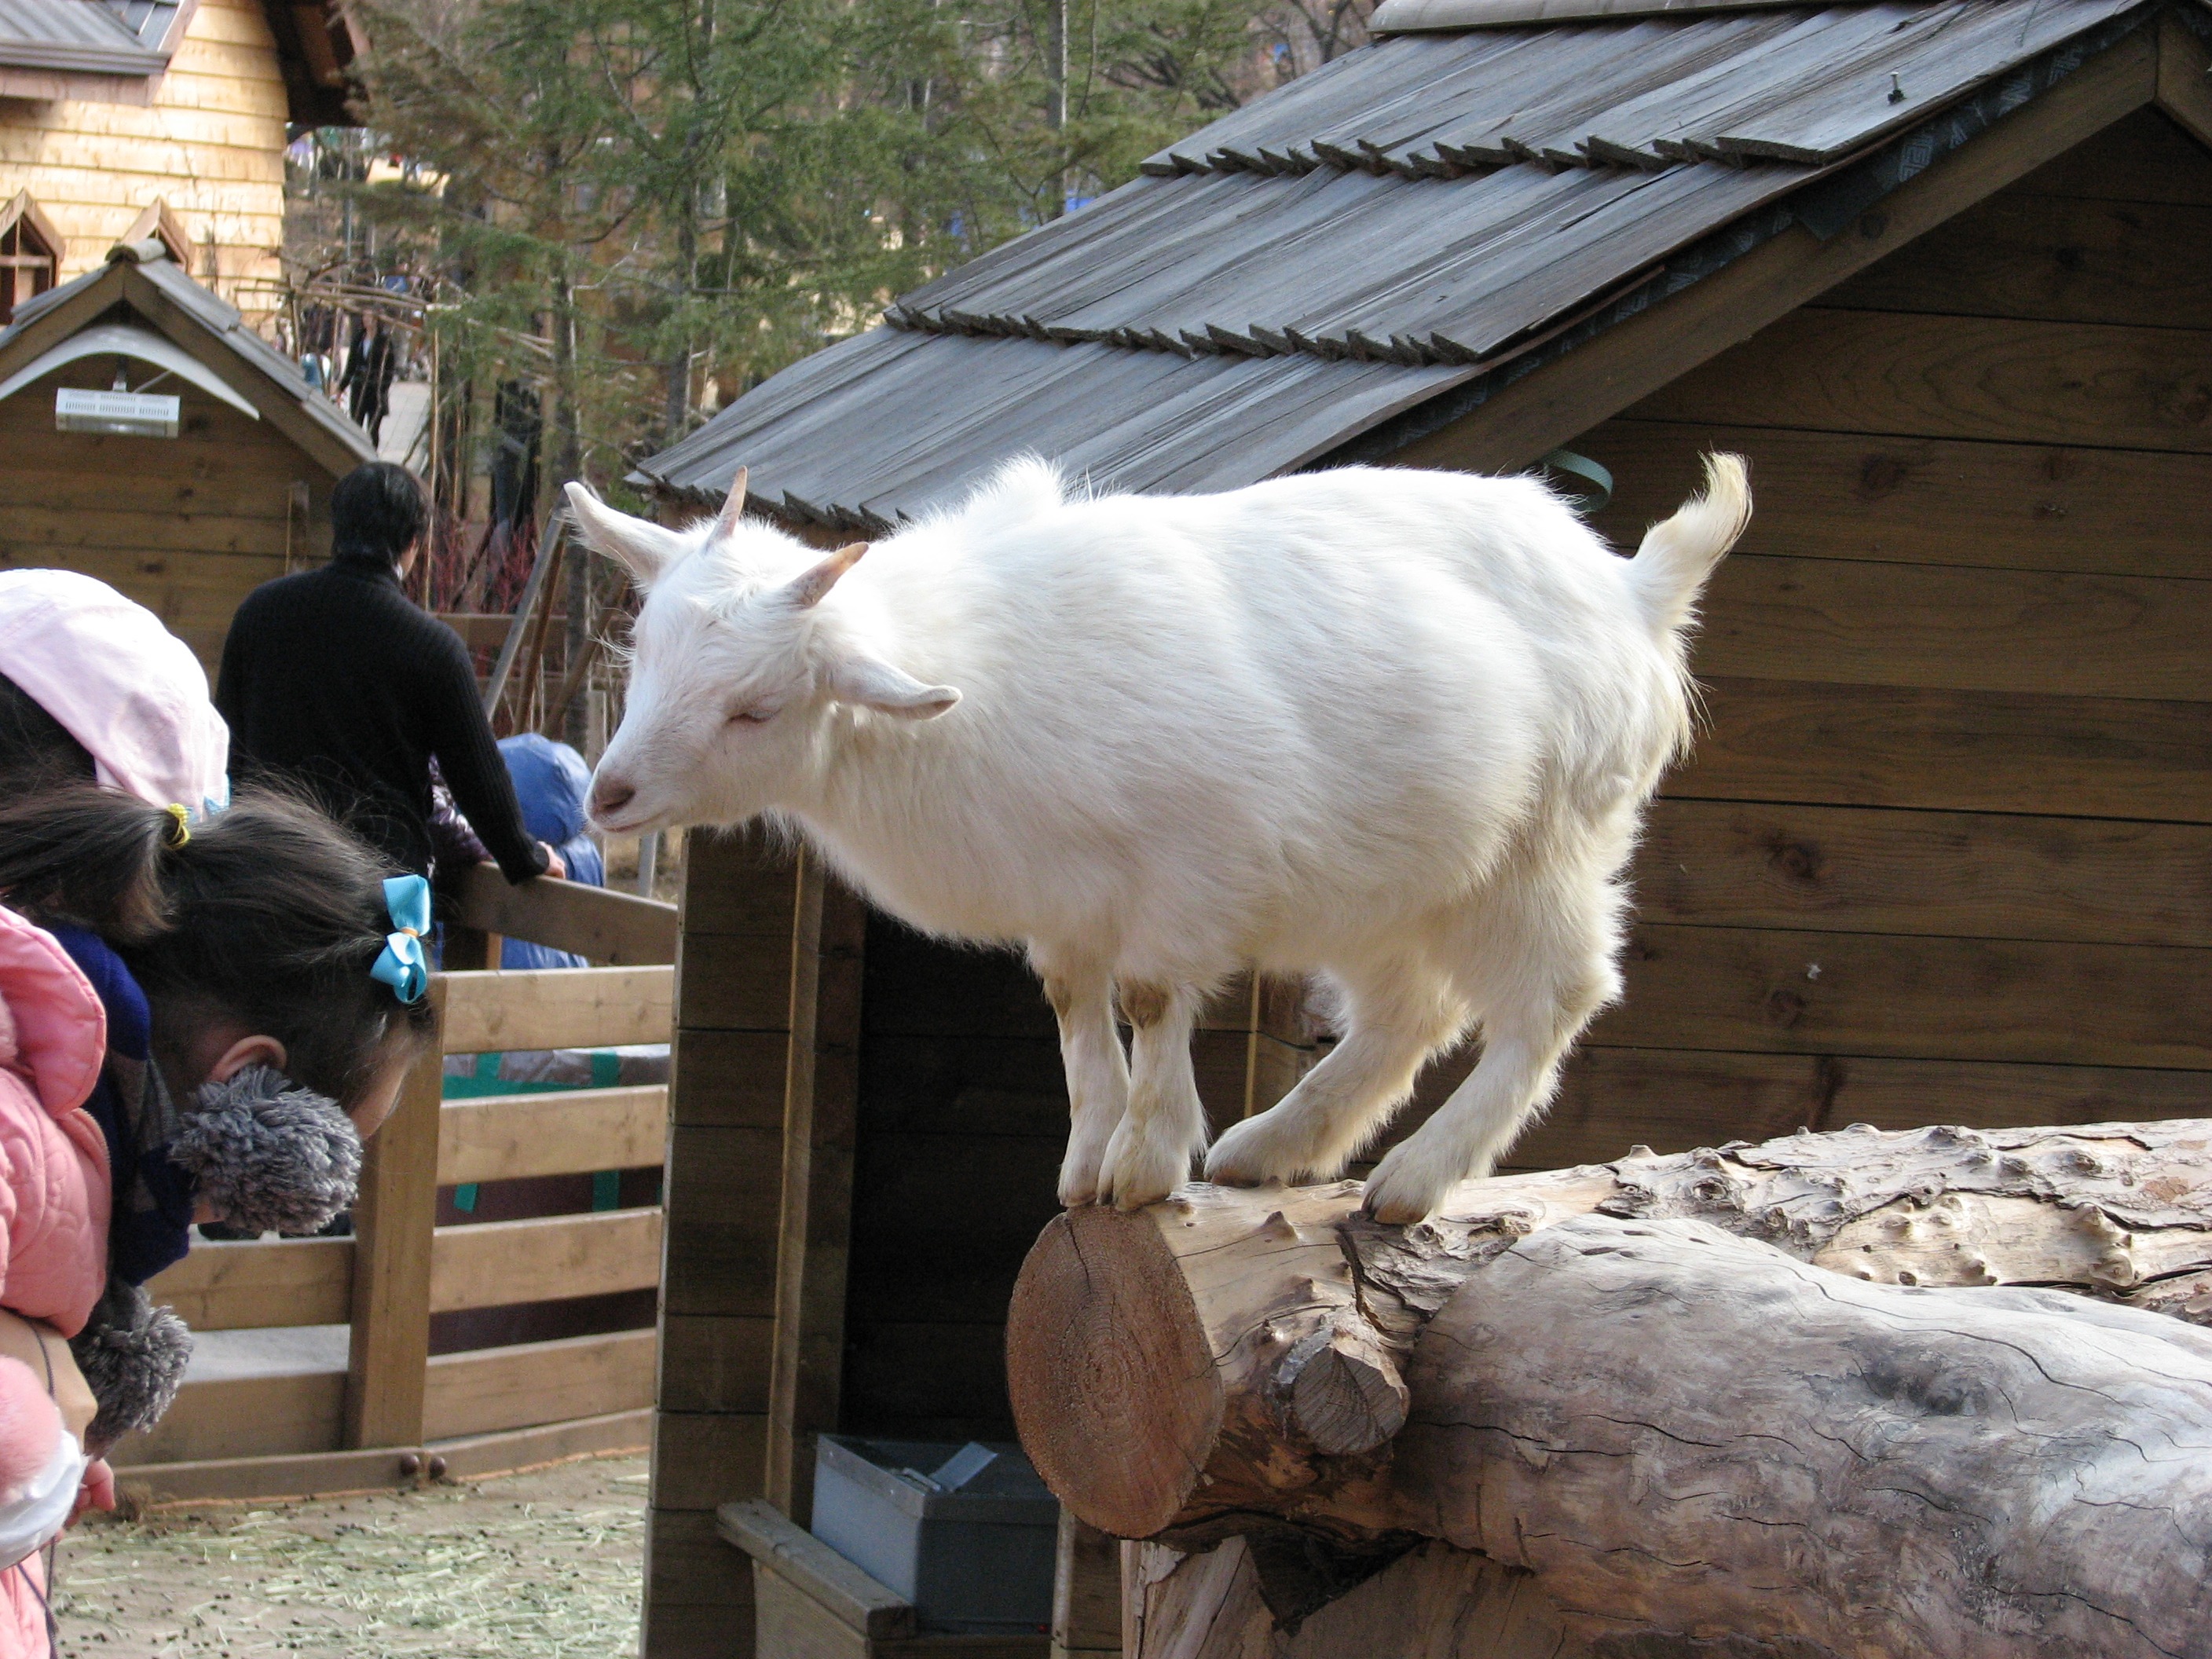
(30,253)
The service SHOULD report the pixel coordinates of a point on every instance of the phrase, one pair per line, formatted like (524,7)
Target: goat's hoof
(1246,1156)
(1399,1197)
(1138,1173)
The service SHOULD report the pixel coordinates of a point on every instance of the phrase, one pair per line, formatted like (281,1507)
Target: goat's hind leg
(1164,1127)
(1082,999)
(1397,1015)
(1540,973)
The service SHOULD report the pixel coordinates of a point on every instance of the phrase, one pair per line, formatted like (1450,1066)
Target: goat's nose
(611,795)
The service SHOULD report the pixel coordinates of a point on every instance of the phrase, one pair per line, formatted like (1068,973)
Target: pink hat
(119,683)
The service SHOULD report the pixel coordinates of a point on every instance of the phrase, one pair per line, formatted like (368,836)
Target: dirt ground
(544,1565)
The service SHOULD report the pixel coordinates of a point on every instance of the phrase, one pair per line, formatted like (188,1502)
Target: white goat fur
(1393,726)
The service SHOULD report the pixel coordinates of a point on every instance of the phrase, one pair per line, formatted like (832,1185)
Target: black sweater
(336,679)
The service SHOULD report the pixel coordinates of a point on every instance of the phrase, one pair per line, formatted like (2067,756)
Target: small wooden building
(112,111)
(186,523)
(1938,269)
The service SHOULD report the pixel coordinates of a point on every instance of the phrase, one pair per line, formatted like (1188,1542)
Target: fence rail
(317,1426)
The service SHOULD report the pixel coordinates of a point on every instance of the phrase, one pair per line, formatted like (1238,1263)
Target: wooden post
(719,1281)
(814,1244)
(1086,1593)
(394,1219)
(468,949)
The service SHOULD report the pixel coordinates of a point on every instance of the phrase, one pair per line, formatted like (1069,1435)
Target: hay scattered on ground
(545,1565)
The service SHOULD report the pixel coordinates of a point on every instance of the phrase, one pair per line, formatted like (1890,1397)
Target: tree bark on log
(1819,1395)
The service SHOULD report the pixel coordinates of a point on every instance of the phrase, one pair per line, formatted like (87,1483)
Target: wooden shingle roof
(1377,246)
(156,292)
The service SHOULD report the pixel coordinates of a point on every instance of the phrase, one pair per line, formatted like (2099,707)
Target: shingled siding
(1945,850)
(211,142)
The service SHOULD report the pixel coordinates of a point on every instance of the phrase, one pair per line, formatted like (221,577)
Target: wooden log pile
(1858,1393)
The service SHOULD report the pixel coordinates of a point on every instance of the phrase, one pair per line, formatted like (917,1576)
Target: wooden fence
(302,1411)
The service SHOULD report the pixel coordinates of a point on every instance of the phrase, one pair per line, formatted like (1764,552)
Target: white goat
(1394,726)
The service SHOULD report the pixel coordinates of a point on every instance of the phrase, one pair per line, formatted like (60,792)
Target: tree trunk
(1795,1399)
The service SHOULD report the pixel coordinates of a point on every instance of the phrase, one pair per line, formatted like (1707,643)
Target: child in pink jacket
(209,999)
(54,1208)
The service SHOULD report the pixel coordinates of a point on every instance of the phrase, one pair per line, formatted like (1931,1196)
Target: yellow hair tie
(182,834)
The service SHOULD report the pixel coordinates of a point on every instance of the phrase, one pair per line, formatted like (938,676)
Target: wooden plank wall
(185,525)
(961,1124)
(210,143)
(1944,851)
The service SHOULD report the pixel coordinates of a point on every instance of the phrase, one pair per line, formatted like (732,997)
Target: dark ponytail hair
(268,914)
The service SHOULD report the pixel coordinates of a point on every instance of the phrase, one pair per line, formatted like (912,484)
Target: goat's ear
(806,590)
(870,683)
(646,550)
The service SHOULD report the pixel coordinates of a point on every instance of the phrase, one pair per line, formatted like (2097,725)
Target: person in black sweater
(334,679)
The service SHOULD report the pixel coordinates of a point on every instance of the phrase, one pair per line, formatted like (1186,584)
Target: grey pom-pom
(133,1356)
(269,1155)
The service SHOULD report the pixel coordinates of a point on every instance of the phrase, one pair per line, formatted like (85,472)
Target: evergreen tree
(644,206)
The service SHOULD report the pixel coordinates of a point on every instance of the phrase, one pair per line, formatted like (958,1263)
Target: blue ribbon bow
(403,964)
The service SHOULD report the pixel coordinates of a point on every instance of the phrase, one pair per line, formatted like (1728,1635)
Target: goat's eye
(752,716)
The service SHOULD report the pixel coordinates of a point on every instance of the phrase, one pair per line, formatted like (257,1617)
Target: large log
(1793,1393)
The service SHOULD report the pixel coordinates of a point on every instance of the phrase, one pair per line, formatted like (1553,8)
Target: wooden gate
(343,1393)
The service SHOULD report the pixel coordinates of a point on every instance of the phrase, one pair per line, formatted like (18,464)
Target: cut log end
(1113,1384)
(1344,1391)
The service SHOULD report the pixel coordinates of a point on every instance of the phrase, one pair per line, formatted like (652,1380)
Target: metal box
(966,1534)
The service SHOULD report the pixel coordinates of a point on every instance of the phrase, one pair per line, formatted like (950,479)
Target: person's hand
(96,1490)
(554,865)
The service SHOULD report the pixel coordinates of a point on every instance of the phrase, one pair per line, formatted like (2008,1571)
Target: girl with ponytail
(203,1010)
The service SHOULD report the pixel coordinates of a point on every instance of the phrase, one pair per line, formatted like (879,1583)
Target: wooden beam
(395,1218)
(2184,78)
(1674,1099)
(1086,1593)
(609,928)
(1924,501)
(805,1562)
(259,1284)
(507,1136)
(814,1242)
(1771,991)
(329,1474)
(473,1456)
(530,1383)
(259,1413)
(1955,628)
(1598,379)
(1976,751)
(492,1264)
(1958,379)
(558,1008)
(1976,875)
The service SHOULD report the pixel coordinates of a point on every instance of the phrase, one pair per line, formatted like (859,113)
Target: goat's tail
(1677,557)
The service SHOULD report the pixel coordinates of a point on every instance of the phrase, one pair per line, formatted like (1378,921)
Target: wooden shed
(1939,270)
(186,523)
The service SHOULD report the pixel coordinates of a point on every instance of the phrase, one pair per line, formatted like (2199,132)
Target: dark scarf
(153,1216)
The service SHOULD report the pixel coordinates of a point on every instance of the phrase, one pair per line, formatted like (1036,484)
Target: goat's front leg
(1164,1127)
(1097,1075)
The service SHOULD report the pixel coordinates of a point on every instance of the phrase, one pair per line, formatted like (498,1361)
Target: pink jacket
(55,1193)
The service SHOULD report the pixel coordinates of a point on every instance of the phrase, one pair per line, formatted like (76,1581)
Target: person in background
(336,679)
(368,375)
(552,782)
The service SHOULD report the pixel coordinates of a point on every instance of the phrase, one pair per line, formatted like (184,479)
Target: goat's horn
(734,508)
(807,591)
